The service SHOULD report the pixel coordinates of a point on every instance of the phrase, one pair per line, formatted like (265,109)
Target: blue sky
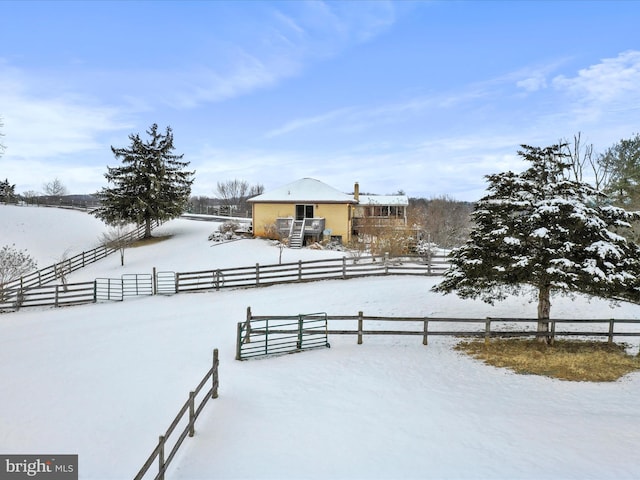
(424,97)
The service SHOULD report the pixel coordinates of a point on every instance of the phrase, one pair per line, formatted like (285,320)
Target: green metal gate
(280,335)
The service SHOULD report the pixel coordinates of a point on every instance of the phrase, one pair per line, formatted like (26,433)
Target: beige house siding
(337,217)
(265,214)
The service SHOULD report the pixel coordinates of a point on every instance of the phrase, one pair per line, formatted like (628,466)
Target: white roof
(307,190)
(397,200)
(310,190)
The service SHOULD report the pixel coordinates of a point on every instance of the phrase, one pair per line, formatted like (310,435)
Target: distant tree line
(441,221)
(53,193)
(230,199)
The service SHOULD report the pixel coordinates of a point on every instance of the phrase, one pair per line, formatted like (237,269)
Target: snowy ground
(104,380)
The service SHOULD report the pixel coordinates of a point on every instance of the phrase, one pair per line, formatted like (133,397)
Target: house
(309,210)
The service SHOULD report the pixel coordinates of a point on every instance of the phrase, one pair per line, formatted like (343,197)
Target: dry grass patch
(143,242)
(586,361)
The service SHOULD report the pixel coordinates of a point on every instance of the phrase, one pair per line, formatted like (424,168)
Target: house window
(304,211)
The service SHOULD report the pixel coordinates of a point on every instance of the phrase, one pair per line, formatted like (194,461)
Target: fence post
(192,414)
(257,274)
(214,377)
(55,302)
(429,261)
(177,282)
(299,270)
(425,340)
(487,331)
(344,268)
(266,337)
(386,263)
(553,332)
(161,458)
(248,326)
(239,342)
(154,281)
(95,291)
(611,324)
(360,321)
(217,279)
(19,299)
(299,342)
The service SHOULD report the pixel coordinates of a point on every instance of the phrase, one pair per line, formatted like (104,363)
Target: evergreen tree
(7,192)
(540,229)
(150,185)
(623,162)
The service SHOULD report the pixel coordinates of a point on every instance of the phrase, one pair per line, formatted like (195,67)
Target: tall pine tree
(150,185)
(540,229)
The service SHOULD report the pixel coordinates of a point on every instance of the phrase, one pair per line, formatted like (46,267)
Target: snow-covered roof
(307,190)
(310,190)
(395,200)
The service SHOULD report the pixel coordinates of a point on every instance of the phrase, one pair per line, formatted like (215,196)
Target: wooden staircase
(296,236)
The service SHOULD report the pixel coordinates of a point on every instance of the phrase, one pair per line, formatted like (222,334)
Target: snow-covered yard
(103,381)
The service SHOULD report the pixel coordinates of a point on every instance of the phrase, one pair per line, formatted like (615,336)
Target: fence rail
(60,270)
(35,282)
(167,283)
(48,295)
(189,412)
(301,271)
(424,327)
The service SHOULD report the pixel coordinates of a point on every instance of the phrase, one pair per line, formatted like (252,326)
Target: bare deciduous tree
(117,238)
(445,221)
(62,268)
(55,188)
(235,193)
(584,165)
(14,264)
(232,192)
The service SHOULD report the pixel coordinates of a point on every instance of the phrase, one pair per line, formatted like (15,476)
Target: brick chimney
(356,192)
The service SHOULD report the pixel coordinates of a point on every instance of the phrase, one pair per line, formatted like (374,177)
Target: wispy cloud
(605,81)
(38,126)
(611,85)
(362,117)
(47,134)
(299,34)
(533,78)
(246,74)
(308,122)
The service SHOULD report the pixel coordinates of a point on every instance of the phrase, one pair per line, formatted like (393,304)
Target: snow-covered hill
(48,233)
(104,380)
